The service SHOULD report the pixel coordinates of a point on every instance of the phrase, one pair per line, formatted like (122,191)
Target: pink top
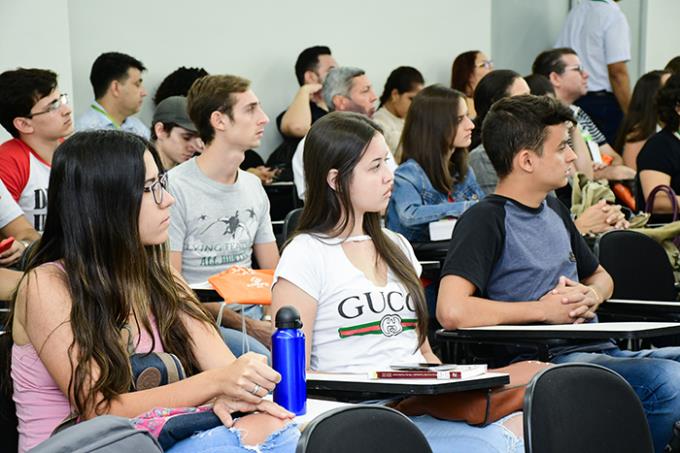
(41,405)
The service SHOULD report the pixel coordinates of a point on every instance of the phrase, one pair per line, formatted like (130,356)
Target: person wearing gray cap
(173,133)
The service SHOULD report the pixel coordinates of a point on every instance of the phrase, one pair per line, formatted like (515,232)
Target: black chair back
(638,265)
(585,408)
(290,223)
(362,429)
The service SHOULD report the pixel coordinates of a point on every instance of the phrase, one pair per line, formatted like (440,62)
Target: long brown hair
(461,71)
(338,141)
(92,229)
(429,130)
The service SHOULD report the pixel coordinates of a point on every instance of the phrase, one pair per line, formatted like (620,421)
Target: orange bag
(240,285)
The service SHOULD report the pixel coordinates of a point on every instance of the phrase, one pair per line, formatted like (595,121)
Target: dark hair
(493,86)
(308,60)
(517,123)
(111,66)
(209,94)
(551,61)
(20,90)
(461,71)
(177,83)
(110,274)
(539,85)
(338,141)
(402,79)
(641,119)
(673,65)
(668,101)
(167,127)
(429,129)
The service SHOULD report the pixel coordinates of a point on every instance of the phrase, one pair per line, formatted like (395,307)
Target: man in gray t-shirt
(221,217)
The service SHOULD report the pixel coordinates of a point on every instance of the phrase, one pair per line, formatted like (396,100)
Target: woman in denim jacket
(434,181)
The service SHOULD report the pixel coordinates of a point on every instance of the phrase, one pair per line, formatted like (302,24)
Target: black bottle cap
(288,318)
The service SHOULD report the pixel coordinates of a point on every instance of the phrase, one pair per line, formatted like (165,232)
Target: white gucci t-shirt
(359,326)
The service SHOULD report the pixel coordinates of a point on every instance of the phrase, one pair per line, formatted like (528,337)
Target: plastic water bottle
(288,358)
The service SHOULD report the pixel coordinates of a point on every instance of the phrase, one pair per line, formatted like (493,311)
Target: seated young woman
(401,86)
(641,120)
(356,284)
(434,180)
(100,285)
(466,71)
(659,160)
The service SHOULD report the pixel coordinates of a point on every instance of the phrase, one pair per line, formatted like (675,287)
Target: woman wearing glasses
(100,286)
(356,284)
(467,70)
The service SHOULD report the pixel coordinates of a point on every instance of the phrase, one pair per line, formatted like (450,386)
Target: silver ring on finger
(255,389)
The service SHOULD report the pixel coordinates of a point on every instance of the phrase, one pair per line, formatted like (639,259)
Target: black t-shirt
(282,156)
(512,252)
(660,153)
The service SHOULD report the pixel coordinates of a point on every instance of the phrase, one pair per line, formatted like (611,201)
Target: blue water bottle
(288,358)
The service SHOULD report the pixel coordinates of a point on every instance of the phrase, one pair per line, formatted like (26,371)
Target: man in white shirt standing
(599,33)
(118,92)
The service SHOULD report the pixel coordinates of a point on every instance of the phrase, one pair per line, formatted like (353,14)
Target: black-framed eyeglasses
(52,106)
(575,67)
(158,188)
(488,64)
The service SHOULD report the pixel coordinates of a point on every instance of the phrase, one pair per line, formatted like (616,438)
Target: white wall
(521,29)
(261,40)
(35,34)
(663,33)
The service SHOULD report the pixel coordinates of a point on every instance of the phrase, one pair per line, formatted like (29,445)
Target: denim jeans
(234,340)
(446,436)
(228,440)
(654,374)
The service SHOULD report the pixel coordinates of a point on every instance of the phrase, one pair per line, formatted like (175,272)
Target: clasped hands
(570,302)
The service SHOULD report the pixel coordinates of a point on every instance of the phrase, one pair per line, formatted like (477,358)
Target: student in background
(659,160)
(99,285)
(38,116)
(340,259)
(401,86)
(434,180)
(641,120)
(119,91)
(467,70)
(173,133)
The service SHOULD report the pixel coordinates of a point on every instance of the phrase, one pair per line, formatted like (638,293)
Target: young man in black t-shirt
(517,258)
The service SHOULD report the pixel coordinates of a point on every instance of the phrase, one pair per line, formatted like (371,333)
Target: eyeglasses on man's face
(575,67)
(158,188)
(488,64)
(52,106)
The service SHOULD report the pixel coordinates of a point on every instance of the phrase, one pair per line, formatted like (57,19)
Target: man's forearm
(620,81)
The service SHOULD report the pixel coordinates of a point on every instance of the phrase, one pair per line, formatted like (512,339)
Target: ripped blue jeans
(228,440)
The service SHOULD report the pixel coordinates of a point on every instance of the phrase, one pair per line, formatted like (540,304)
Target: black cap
(288,318)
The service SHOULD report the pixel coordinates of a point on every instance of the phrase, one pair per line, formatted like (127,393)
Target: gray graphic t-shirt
(215,225)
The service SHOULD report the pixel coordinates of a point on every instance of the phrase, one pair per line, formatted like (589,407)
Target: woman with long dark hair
(99,286)
(401,86)
(466,71)
(641,120)
(434,180)
(356,284)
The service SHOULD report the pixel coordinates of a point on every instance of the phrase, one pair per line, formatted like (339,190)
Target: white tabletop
(643,302)
(590,327)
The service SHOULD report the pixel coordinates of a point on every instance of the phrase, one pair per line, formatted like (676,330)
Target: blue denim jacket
(415,202)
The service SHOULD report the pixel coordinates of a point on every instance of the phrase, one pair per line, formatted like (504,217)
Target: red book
(461,372)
